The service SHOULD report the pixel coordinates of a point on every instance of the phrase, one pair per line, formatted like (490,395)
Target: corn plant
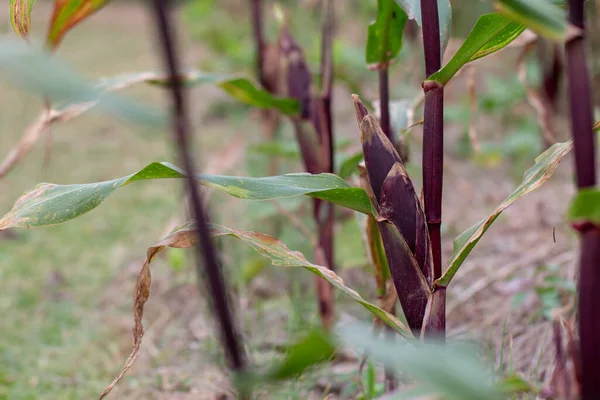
(403,227)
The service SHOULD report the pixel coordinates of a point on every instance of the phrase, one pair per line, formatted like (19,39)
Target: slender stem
(585,168)
(433,139)
(580,102)
(384,102)
(259,41)
(552,76)
(327,79)
(206,251)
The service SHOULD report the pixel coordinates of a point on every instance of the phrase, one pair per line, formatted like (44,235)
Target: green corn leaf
(315,348)
(544,167)
(541,16)
(384,38)
(67,14)
(452,371)
(239,88)
(38,72)
(413,10)
(491,33)
(20,16)
(50,204)
(515,384)
(585,207)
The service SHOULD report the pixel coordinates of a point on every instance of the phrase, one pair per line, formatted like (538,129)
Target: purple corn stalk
(585,168)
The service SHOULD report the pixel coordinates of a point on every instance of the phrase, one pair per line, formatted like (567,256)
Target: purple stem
(259,41)
(585,168)
(433,140)
(384,102)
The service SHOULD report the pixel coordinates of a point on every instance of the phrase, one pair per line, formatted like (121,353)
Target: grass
(57,338)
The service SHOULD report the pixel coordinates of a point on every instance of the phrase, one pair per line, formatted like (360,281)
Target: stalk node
(431,85)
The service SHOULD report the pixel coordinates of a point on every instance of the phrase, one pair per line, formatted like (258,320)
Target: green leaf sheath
(585,207)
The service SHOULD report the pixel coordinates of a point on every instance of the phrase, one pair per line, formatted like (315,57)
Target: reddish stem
(259,41)
(384,102)
(433,141)
(585,167)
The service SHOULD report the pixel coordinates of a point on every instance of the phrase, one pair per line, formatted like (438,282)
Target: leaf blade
(491,33)
(20,16)
(541,16)
(238,88)
(67,14)
(38,72)
(585,207)
(280,255)
(534,177)
(384,35)
(50,204)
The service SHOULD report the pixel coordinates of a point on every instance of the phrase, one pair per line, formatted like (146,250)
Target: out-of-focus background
(66,291)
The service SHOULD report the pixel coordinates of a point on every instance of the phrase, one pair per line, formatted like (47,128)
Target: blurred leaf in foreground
(38,72)
(541,16)
(451,371)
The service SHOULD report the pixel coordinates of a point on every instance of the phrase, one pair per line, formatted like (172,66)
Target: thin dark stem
(433,140)
(552,76)
(324,213)
(206,251)
(431,36)
(327,79)
(384,102)
(585,168)
(581,113)
(259,41)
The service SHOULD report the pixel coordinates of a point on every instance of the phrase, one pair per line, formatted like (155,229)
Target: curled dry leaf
(177,239)
(267,246)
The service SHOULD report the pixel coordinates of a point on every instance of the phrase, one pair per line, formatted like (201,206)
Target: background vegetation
(65,291)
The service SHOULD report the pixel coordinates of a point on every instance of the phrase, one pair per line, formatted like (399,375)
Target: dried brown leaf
(177,239)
